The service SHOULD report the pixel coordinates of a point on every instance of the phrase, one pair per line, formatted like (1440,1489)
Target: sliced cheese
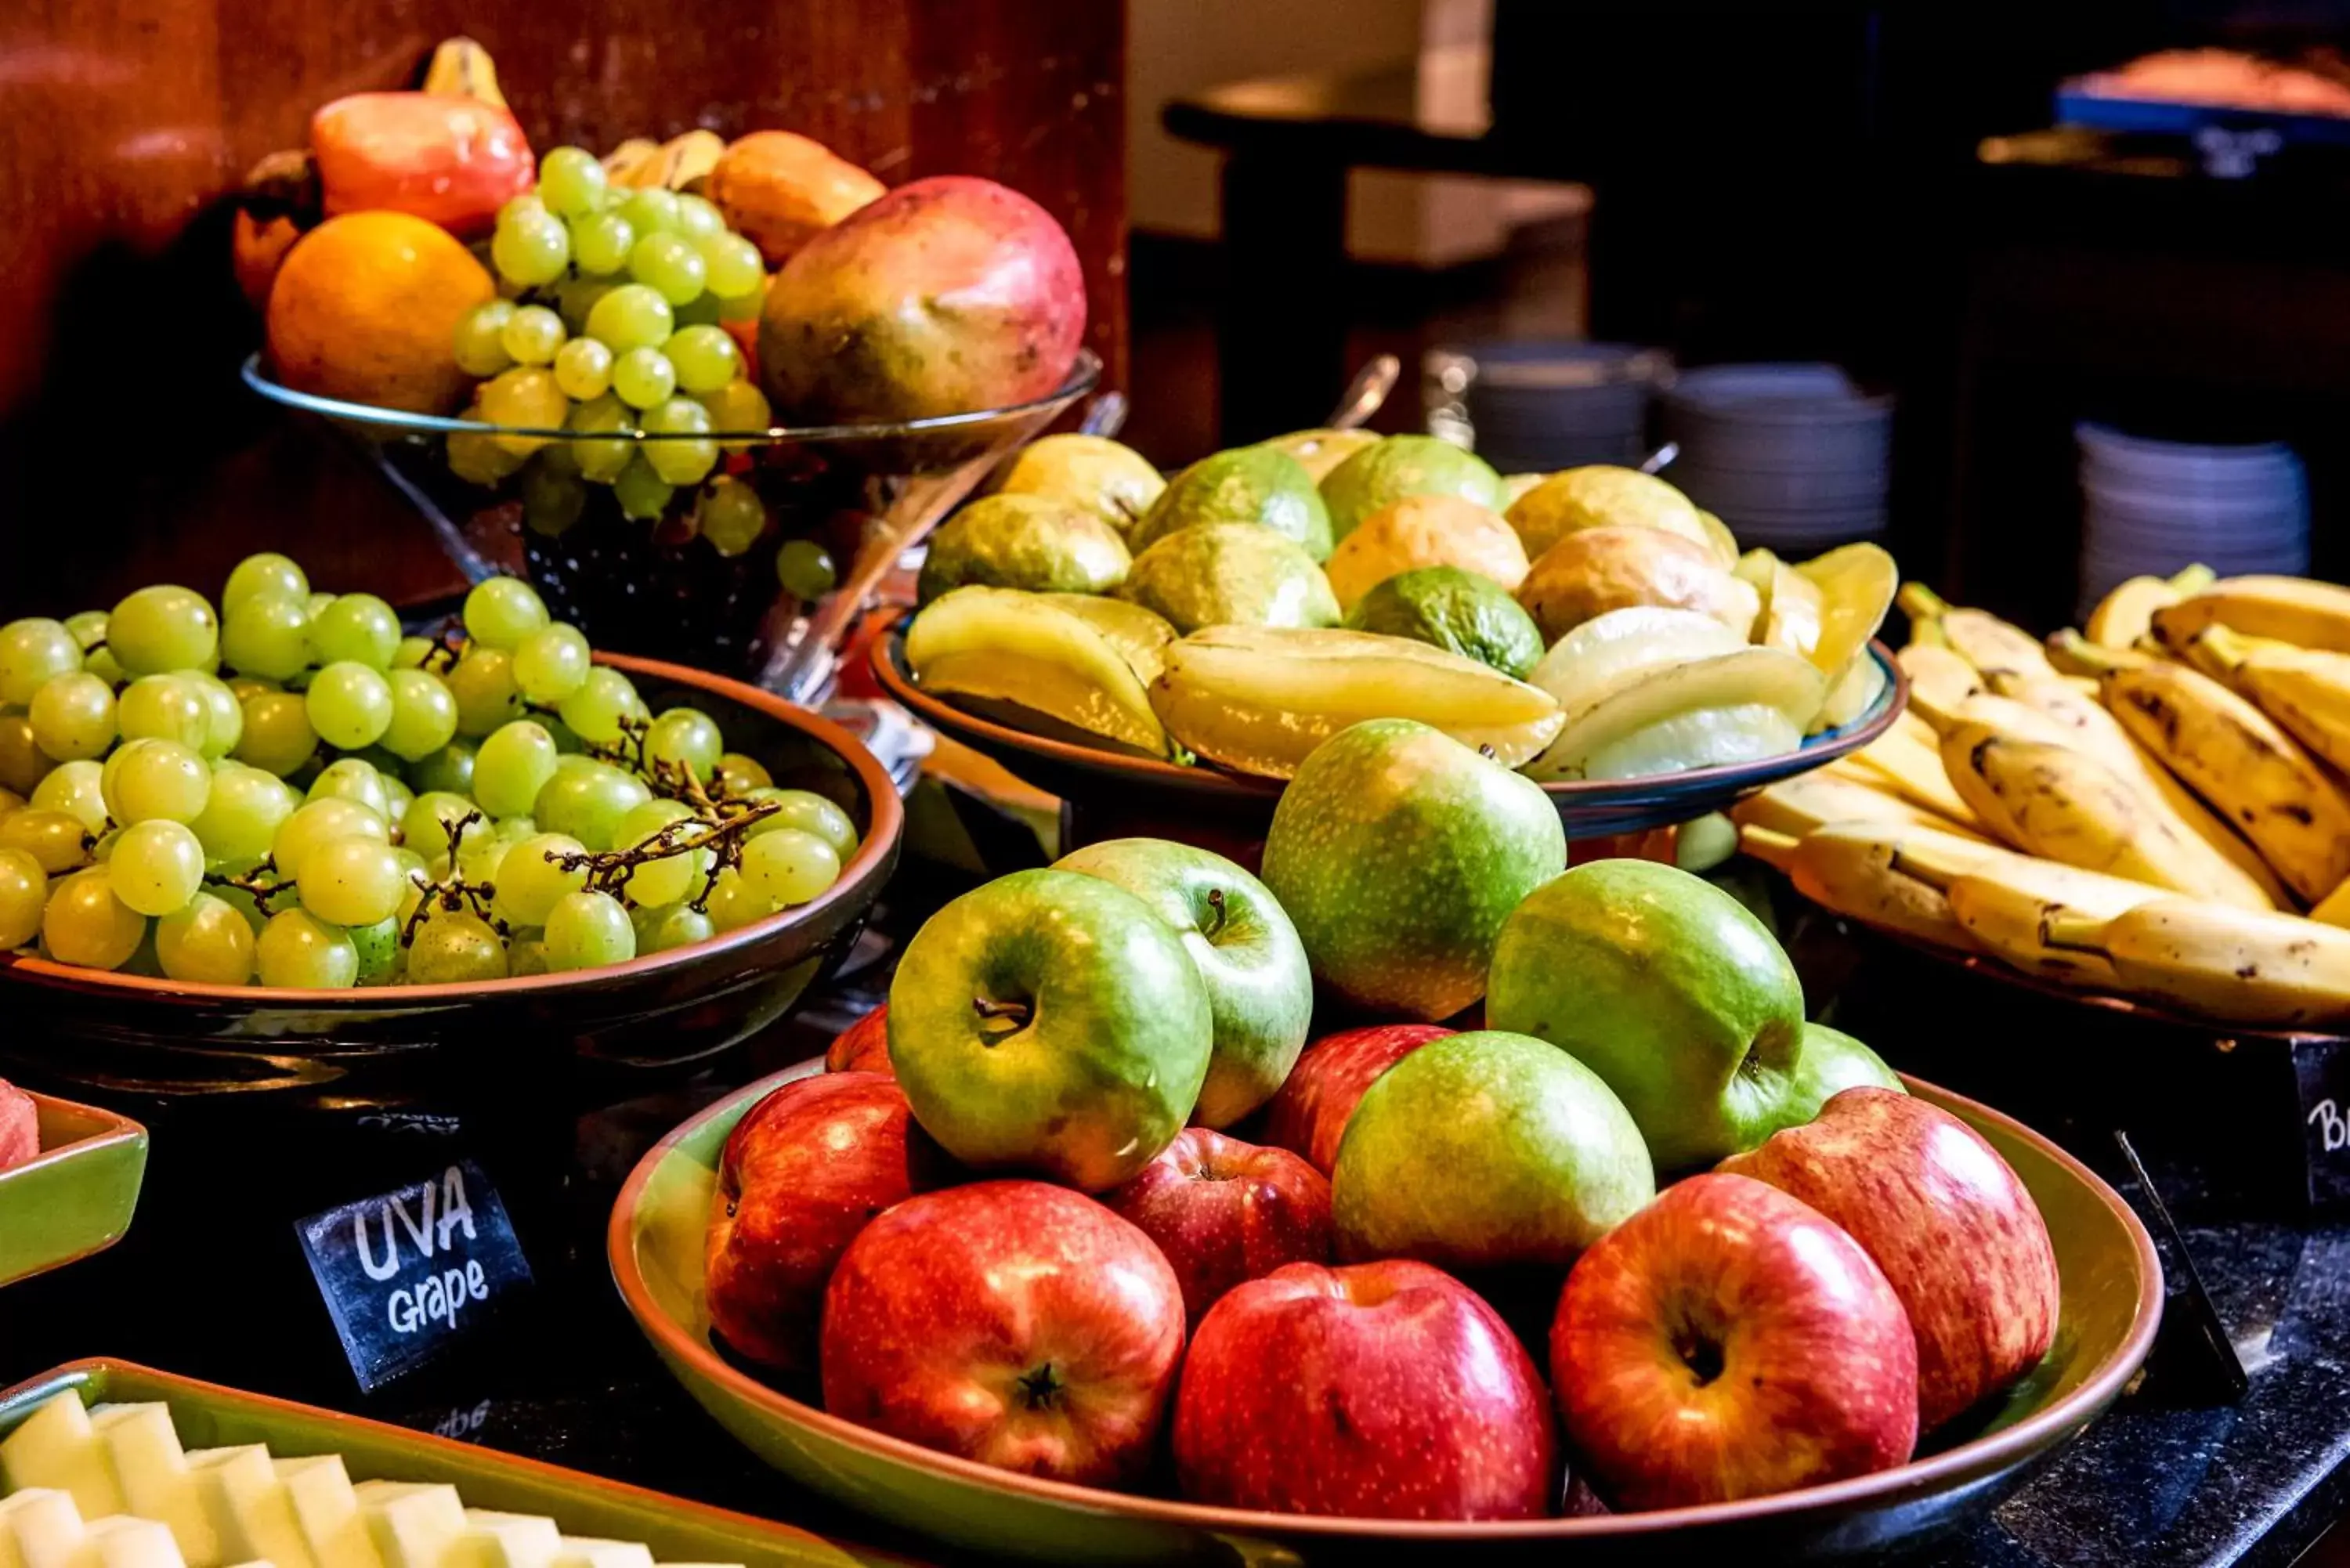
(593,1551)
(42,1529)
(328,1509)
(125,1541)
(494,1539)
(56,1446)
(153,1470)
(414,1525)
(248,1505)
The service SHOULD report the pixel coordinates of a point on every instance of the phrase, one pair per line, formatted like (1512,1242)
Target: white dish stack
(1792,457)
(2151,507)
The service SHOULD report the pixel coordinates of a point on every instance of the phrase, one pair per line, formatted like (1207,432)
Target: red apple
(1223,1211)
(451,161)
(20,1134)
(1310,1112)
(1947,1220)
(1386,1390)
(863,1046)
(803,1172)
(1727,1342)
(1015,1323)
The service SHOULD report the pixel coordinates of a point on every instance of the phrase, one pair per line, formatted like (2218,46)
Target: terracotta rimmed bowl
(2112,1304)
(94,1031)
(77,1196)
(1111,794)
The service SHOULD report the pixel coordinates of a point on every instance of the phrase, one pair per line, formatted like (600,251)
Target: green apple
(1399,853)
(1032,542)
(1230,574)
(1486,1149)
(1259,484)
(1827,1063)
(1667,987)
(1402,465)
(1259,990)
(1113,481)
(1051,1022)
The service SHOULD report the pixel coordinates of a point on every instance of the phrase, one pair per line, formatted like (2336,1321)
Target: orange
(365,305)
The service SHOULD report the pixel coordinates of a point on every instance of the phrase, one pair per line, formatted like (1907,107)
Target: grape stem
(452,893)
(723,831)
(252,882)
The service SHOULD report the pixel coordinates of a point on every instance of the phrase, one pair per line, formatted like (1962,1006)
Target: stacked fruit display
(989,1229)
(350,806)
(2144,811)
(1590,624)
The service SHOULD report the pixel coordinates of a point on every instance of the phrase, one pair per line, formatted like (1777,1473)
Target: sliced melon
(153,1470)
(1700,738)
(327,1509)
(56,1446)
(494,1539)
(593,1551)
(1751,678)
(1608,653)
(40,1527)
(414,1525)
(248,1505)
(124,1542)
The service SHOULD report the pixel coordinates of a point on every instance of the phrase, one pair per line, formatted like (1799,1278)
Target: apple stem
(1216,904)
(1017,1012)
(1040,1389)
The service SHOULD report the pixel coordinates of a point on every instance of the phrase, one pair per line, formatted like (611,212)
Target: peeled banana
(2292,609)
(2235,964)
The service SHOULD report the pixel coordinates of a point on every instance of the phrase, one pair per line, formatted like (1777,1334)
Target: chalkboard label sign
(410,1274)
(2321,1068)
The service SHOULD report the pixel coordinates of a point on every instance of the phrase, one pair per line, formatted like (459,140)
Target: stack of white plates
(2150,507)
(1534,405)
(1792,457)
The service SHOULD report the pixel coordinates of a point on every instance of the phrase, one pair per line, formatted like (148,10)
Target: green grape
(23,888)
(321,822)
(677,926)
(88,629)
(601,242)
(529,883)
(74,789)
(587,930)
(631,317)
(650,210)
(455,948)
(676,415)
(379,951)
(423,715)
(359,628)
(587,800)
(731,516)
(602,461)
(412,652)
(642,378)
(159,630)
(738,408)
(149,778)
(267,635)
(533,336)
(670,879)
(157,866)
(352,881)
(398,797)
(319,602)
(704,357)
(526,955)
(551,663)
(243,813)
(73,716)
(243,686)
(267,573)
(479,457)
(669,266)
(583,368)
(512,767)
(642,493)
(56,842)
(699,219)
(277,736)
(745,308)
(576,298)
(349,704)
(790,867)
(805,569)
(739,774)
(222,708)
(23,763)
(680,462)
(483,685)
(685,737)
(702,310)
(808,812)
(166,708)
(552,497)
(31,652)
(595,712)
(86,924)
(570,180)
(734,902)
(451,769)
(501,611)
(299,951)
(478,346)
(11,800)
(206,943)
(732,266)
(353,779)
(424,825)
(533,250)
(525,398)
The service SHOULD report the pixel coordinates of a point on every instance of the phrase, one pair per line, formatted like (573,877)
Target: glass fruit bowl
(709,574)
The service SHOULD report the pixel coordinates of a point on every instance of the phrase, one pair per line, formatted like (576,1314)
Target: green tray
(209,1416)
(75,1197)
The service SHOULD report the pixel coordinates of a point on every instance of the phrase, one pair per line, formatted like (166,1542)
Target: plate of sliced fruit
(69,1181)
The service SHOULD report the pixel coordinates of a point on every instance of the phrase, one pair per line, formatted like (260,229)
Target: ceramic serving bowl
(86,1030)
(2111,1303)
(77,1196)
(1111,795)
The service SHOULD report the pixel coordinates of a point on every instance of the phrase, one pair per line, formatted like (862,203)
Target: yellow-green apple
(1399,853)
(1385,1390)
(1014,1323)
(863,1046)
(1828,1062)
(1487,1150)
(801,1174)
(1259,990)
(1312,1109)
(1400,465)
(1049,1022)
(1948,1222)
(1670,989)
(1727,1342)
(1224,1211)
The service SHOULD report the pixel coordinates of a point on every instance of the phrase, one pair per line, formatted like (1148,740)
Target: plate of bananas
(2154,808)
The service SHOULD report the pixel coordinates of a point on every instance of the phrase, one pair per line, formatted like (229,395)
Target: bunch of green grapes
(610,323)
(290,790)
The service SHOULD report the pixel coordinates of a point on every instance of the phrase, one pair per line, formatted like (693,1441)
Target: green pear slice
(1035,666)
(1700,738)
(1258,698)
(1609,652)
(1750,677)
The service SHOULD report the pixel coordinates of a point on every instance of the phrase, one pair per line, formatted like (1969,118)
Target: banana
(2334,909)
(684,162)
(1940,672)
(2073,654)
(1811,801)
(622,163)
(1913,771)
(2307,690)
(1982,639)
(2249,770)
(462,68)
(1848,868)
(2234,964)
(1917,729)
(2292,609)
(2126,612)
(2002,910)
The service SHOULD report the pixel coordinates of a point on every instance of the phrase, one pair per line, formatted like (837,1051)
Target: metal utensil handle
(1365,393)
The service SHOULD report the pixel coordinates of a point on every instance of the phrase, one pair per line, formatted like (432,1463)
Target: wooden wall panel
(128,453)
